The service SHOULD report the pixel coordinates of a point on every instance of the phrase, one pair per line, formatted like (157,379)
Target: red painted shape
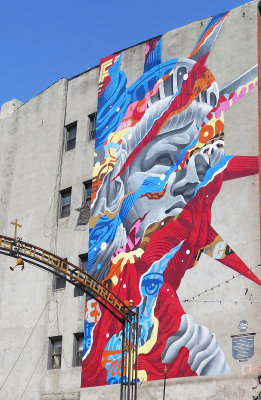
(105,80)
(240,166)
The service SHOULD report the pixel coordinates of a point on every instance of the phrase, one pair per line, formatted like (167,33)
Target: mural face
(159,164)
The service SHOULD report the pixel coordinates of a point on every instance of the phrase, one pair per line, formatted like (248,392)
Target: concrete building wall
(34,167)
(221,308)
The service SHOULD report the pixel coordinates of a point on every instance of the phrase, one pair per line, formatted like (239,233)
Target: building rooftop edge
(119,51)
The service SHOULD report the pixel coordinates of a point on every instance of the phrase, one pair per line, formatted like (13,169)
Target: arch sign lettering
(126,315)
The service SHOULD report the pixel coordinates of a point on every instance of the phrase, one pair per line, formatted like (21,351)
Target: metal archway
(127,315)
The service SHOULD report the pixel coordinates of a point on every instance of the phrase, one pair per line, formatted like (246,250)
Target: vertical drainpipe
(259,101)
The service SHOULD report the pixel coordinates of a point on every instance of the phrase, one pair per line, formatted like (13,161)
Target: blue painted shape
(212,171)
(154,57)
(88,329)
(115,100)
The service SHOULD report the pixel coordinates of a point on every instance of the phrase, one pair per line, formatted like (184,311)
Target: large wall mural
(159,165)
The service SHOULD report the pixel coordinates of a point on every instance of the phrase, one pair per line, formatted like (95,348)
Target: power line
(217,286)
(44,347)
(221,301)
(24,346)
(68,365)
(28,383)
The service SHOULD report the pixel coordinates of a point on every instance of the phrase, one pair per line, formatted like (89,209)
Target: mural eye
(180,74)
(152,285)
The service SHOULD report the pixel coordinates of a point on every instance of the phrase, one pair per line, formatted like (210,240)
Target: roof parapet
(9,107)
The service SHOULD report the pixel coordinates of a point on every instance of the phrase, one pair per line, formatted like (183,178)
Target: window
(87,192)
(70,132)
(78,348)
(84,210)
(92,125)
(55,352)
(65,202)
(58,283)
(83,264)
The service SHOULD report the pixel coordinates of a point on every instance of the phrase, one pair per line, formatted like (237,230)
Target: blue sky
(43,41)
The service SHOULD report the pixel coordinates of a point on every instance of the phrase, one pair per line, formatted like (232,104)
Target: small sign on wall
(242,326)
(243,346)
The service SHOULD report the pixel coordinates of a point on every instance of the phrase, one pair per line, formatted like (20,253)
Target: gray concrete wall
(35,166)
(33,169)
(30,144)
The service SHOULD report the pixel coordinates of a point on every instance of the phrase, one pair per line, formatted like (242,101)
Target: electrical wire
(68,365)
(42,352)
(24,346)
(222,301)
(28,383)
(57,179)
(217,286)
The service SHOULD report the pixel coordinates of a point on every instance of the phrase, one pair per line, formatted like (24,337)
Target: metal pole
(122,358)
(132,361)
(129,361)
(136,353)
(165,376)
(125,357)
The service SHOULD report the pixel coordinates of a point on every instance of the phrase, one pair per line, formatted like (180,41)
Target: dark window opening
(71,131)
(87,192)
(55,352)
(83,264)
(65,202)
(92,125)
(83,261)
(59,283)
(78,349)
(78,292)
(86,204)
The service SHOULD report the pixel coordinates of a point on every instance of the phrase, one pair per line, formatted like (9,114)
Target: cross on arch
(16,225)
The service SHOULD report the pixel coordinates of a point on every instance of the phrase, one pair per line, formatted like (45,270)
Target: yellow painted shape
(146,348)
(142,375)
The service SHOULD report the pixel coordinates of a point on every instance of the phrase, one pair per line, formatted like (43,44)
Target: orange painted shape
(219,127)
(206,133)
